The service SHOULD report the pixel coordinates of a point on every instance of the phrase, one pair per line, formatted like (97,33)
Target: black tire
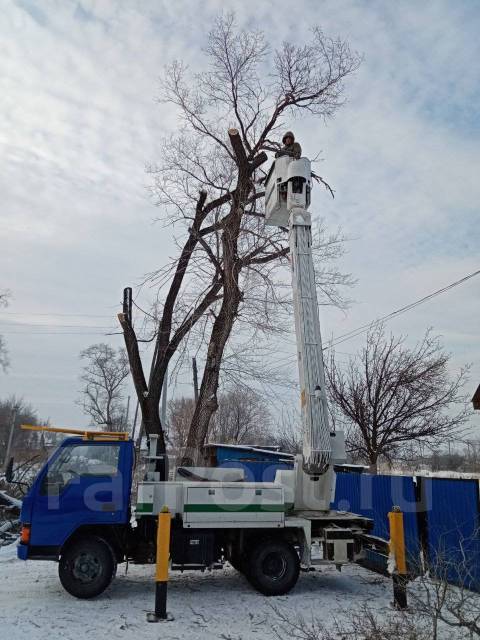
(87,566)
(273,567)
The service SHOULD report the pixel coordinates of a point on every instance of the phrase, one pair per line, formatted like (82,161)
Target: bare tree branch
(104,375)
(390,396)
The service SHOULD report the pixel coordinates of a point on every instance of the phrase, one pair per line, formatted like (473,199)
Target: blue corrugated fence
(373,497)
(451,509)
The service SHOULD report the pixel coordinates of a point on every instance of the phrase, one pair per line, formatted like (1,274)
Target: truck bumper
(22,551)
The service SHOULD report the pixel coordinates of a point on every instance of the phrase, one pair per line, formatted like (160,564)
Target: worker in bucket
(290,147)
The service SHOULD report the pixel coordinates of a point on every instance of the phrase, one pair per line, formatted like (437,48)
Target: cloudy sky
(80,121)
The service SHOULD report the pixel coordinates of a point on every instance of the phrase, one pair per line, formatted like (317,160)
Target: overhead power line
(52,333)
(52,325)
(362,329)
(336,341)
(55,315)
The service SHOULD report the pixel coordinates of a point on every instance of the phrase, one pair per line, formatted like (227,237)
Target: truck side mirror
(9,471)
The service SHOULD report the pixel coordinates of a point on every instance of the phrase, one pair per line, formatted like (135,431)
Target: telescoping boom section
(287,199)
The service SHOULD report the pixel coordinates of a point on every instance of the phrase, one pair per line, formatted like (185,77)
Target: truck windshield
(81,460)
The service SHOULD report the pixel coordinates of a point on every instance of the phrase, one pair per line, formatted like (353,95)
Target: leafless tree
(444,604)
(22,440)
(472,455)
(208,182)
(242,418)
(363,623)
(288,434)
(390,396)
(446,594)
(236,89)
(180,412)
(437,611)
(4,359)
(104,374)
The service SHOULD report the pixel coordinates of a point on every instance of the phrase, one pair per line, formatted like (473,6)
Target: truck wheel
(87,567)
(273,567)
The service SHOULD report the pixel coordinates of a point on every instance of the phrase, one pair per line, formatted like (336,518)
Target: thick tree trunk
(207,402)
(232,296)
(152,422)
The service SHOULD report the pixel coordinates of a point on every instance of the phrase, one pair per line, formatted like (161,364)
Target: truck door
(86,483)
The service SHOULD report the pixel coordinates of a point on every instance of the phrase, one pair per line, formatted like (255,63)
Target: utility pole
(127,412)
(135,420)
(195,379)
(10,437)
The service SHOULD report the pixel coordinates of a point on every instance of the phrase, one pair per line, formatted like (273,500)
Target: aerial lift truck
(80,510)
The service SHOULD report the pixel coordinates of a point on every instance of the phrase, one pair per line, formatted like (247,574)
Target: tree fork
(148,403)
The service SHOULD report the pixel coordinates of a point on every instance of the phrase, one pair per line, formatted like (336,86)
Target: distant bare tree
(23,441)
(104,375)
(390,396)
(472,455)
(242,418)
(288,434)
(180,412)
(4,359)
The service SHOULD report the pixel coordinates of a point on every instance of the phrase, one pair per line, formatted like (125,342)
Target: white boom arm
(287,198)
(316,438)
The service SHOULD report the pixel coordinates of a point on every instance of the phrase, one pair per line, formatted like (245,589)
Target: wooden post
(125,417)
(10,438)
(397,551)
(161,574)
(135,421)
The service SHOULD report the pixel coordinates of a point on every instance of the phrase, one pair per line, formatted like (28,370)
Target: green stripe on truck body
(144,507)
(237,508)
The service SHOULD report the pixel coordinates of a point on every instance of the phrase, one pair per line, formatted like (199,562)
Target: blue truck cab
(77,511)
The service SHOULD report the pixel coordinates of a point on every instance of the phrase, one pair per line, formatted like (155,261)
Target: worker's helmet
(288,134)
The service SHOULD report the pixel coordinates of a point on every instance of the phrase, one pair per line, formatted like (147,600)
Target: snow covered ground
(213,605)
(218,605)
